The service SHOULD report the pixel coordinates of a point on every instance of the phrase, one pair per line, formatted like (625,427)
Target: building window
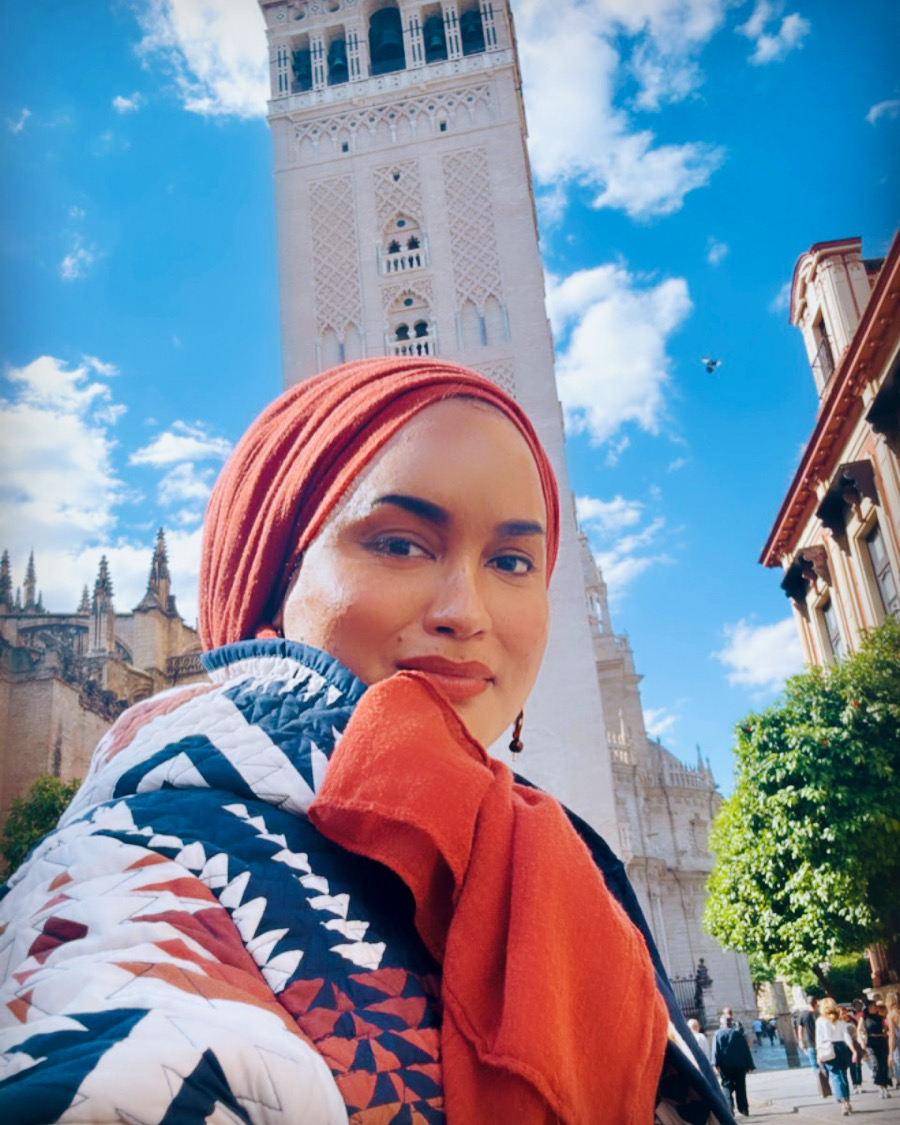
(471,31)
(881,568)
(823,363)
(832,629)
(403,248)
(435,37)
(386,52)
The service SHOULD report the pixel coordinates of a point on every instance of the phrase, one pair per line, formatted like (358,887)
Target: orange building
(837,536)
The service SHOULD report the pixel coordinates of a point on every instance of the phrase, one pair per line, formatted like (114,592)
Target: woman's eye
(513,564)
(396,547)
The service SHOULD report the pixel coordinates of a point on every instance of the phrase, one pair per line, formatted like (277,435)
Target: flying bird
(710,364)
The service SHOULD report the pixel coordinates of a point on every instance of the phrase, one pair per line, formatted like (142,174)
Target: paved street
(778,1094)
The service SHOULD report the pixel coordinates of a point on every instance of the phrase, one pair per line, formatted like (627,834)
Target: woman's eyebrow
(515,528)
(435,514)
(423,508)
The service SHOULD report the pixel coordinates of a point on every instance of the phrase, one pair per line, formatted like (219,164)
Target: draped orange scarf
(551,1011)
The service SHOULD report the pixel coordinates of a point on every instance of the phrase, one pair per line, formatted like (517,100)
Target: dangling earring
(515,745)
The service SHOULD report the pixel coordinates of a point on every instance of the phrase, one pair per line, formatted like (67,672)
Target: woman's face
(436,561)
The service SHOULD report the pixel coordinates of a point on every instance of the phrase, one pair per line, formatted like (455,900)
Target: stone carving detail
(332,216)
(398,191)
(421,287)
(502,372)
(476,261)
(402,119)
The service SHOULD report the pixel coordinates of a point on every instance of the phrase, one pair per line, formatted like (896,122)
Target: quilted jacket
(187,948)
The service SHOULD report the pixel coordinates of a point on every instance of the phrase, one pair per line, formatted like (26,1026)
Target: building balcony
(402,262)
(417,346)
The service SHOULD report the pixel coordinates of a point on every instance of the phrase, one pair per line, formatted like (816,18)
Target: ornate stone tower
(406,226)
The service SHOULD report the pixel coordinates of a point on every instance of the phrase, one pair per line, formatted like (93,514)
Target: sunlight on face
(436,561)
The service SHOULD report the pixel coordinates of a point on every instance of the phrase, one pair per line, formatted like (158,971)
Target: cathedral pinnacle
(84,606)
(6,590)
(30,584)
(157,595)
(103,589)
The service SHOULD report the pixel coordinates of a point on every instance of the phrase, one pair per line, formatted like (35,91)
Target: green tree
(808,845)
(32,817)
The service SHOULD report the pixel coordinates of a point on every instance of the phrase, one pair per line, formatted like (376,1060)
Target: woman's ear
(278,619)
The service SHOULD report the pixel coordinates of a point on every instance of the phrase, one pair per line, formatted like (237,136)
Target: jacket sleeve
(128,995)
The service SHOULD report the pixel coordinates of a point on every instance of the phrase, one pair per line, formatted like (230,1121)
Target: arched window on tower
(302,66)
(433,34)
(471,327)
(338,70)
(471,29)
(403,246)
(494,322)
(410,330)
(386,52)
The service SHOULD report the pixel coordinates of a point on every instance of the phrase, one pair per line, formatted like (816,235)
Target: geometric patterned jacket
(185,947)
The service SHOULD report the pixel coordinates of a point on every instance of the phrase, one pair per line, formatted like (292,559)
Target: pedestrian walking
(855,1070)
(806,1028)
(700,1038)
(893,1027)
(834,1050)
(758,1028)
(877,1045)
(733,1059)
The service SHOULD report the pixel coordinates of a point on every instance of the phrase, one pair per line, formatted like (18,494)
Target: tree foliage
(32,817)
(808,845)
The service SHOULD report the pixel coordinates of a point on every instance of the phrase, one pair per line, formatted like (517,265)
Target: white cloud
(107,370)
(611,332)
(761,656)
(186,483)
(781,302)
(608,515)
(76,212)
(132,104)
(658,721)
(59,483)
(77,262)
(18,125)
(774,45)
(621,558)
(216,50)
(716,251)
(61,495)
(889,109)
(678,463)
(574,64)
(182,443)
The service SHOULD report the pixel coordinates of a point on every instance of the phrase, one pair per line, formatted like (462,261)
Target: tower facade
(406,226)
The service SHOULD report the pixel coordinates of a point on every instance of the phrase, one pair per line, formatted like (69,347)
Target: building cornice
(840,409)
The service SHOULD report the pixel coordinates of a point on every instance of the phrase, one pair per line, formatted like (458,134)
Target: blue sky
(686,152)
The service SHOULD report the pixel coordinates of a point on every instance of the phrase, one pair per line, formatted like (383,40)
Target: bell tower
(406,226)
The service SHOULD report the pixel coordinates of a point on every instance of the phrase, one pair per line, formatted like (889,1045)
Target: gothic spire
(158,584)
(159,568)
(84,606)
(6,590)
(103,588)
(30,583)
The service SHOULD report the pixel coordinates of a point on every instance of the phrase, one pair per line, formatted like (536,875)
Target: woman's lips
(458,680)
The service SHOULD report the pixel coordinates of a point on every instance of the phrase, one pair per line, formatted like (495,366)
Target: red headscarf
(295,463)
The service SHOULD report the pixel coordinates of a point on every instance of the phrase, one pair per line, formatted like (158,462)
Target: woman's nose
(458,608)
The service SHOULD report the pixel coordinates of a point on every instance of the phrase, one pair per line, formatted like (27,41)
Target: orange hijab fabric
(296,462)
(551,1010)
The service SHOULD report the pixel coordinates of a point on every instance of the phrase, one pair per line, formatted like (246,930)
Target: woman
(877,1046)
(892,1019)
(834,1050)
(855,1068)
(304,892)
